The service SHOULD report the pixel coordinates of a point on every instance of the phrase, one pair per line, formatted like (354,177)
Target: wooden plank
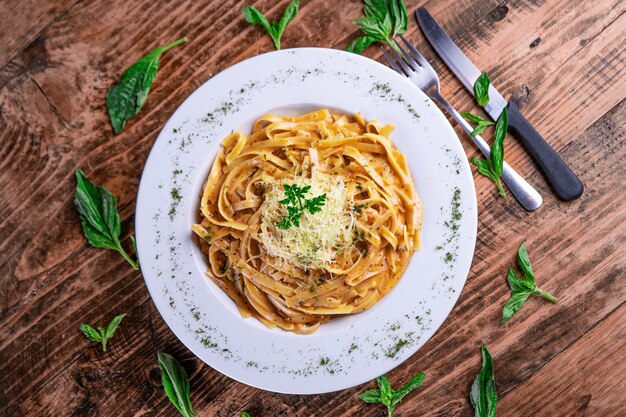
(27,19)
(573,383)
(53,119)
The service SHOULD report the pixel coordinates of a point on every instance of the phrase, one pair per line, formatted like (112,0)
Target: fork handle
(527,196)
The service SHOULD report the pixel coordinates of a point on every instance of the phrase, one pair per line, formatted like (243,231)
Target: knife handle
(565,183)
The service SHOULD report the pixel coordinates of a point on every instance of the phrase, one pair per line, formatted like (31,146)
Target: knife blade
(565,183)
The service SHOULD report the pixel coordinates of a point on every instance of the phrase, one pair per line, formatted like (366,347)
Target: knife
(565,183)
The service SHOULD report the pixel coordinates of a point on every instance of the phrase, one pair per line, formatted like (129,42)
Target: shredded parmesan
(320,236)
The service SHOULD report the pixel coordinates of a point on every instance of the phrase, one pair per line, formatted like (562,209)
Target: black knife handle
(565,183)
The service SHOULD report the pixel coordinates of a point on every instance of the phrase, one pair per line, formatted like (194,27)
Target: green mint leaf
(481,89)
(359,44)
(175,384)
(125,99)
(414,383)
(244,414)
(90,333)
(371,396)
(497,150)
(483,394)
(99,217)
(276,29)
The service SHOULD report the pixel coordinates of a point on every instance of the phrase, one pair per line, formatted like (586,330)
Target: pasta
(339,260)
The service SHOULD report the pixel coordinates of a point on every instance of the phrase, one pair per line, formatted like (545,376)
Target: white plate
(347,351)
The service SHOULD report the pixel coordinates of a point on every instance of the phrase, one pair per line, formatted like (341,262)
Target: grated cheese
(320,236)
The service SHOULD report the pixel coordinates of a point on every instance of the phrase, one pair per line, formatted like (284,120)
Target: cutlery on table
(415,67)
(565,183)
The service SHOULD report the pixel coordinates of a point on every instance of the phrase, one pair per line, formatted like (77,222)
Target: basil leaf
(371,396)
(472,117)
(524,263)
(288,16)
(375,8)
(98,215)
(485,168)
(125,99)
(175,384)
(481,126)
(517,284)
(359,44)
(244,414)
(401,20)
(102,335)
(514,304)
(497,150)
(483,394)
(113,325)
(276,29)
(521,289)
(385,389)
(414,383)
(481,89)
(387,395)
(91,333)
(374,28)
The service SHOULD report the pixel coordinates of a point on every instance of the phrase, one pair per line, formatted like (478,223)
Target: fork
(417,69)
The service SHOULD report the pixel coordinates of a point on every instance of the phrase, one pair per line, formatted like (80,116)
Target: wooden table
(564,60)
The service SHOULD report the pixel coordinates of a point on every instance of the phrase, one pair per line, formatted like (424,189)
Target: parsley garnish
(481,124)
(483,395)
(275,29)
(521,289)
(492,167)
(175,384)
(296,204)
(102,335)
(481,89)
(99,216)
(388,396)
(384,19)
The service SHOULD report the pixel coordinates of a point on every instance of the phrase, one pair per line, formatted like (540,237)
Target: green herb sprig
(244,414)
(384,19)
(175,384)
(521,289)
(275,29)
(388,396)
(483,394)
(481,124)
(99,216)
(102,335)
(481,89)
(492,167)
(296,204)
(125,99)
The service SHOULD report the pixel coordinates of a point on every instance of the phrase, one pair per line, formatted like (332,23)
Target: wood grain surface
(564,60)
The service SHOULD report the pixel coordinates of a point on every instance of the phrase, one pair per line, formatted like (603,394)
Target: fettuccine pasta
(338,260)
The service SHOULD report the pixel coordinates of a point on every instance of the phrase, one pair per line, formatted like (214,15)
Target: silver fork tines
(415,67)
